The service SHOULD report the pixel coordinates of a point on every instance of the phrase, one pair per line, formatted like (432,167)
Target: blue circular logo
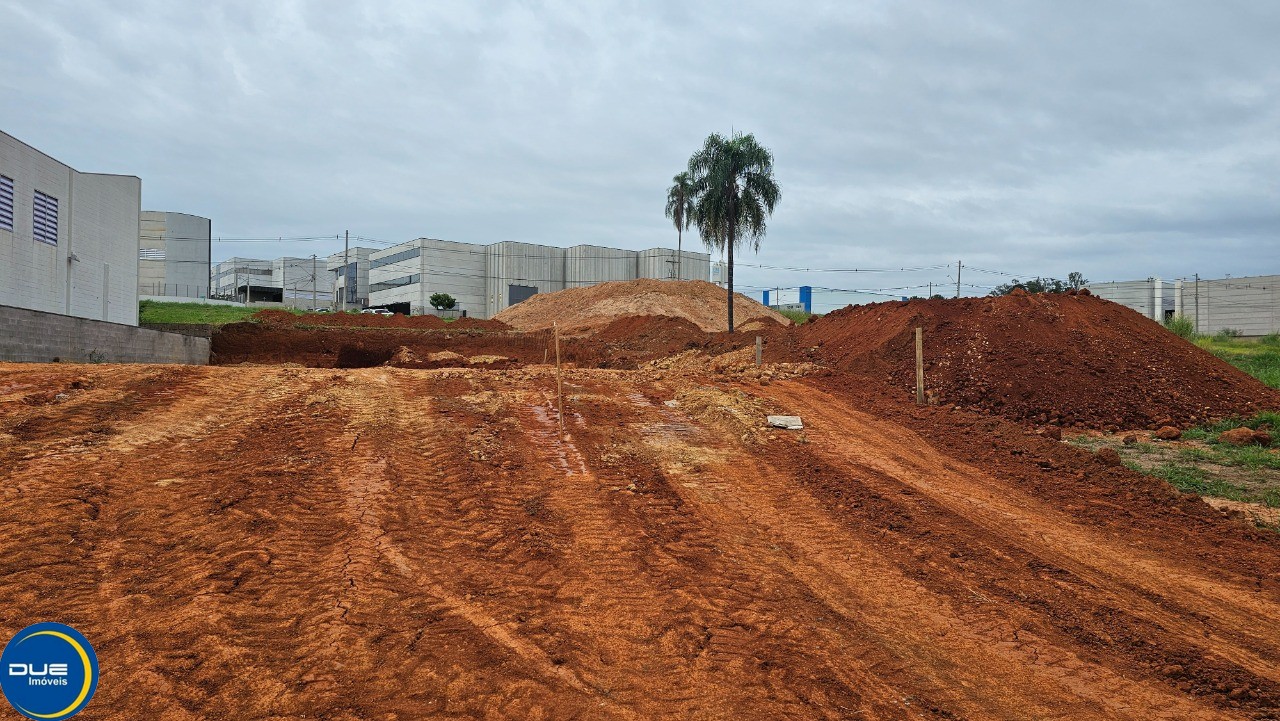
(48,672)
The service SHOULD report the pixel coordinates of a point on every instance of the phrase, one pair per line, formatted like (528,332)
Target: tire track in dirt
(1185,601)
(378,435)
(979,659)
(762,651)
(157,553)
(384,543)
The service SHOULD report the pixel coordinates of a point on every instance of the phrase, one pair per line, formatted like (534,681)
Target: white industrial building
(68,240)
(1250,305)
(353,264)
(242,279)
(174,251)
(299,282)
(485,279)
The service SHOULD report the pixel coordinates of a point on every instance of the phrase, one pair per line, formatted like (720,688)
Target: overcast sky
(1119,139)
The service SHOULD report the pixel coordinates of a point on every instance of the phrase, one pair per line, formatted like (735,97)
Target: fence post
(919,366)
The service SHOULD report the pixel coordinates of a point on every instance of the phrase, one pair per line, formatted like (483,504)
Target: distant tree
(1038,285)
(1077,281)
(735,192)
(442,301)
(936,296)
(680,209)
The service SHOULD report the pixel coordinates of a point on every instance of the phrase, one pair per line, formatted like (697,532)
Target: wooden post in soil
(919,366)
(559,383)
(759,350)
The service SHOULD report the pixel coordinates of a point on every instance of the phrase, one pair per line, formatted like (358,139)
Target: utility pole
(315,281)
(958,266)
(346,268)
(930,291)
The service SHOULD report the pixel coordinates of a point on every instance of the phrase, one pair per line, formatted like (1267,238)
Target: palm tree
(680,210)
(735,192)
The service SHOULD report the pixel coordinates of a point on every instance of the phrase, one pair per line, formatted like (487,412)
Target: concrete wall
(1250,305)
(1136,294)
(591,264)
(660,263)
(458,269)
(174,251)
(39,337)
(524,264)
(97,219)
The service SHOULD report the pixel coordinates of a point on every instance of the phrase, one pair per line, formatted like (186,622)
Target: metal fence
(173,290)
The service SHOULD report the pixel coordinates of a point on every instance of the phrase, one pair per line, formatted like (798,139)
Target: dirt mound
(479,324)
(347,320)
(1056,358)
(632,340)
(702,303)
(327,347)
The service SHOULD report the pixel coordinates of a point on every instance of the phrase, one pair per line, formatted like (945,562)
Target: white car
(377,311)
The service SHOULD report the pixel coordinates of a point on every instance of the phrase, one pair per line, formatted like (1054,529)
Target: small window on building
(44,218)
(6,203)
(150,253)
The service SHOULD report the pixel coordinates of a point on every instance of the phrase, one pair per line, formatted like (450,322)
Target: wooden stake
(919,366)
(559,383)
(759,350)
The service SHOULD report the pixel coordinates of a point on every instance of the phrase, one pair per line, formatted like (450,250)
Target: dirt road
(256,542)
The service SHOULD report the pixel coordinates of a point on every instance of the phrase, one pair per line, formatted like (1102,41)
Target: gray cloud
(1121,139)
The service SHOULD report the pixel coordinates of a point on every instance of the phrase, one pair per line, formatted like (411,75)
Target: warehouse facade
(485,279)
(68,240)
(174,251)
(1250,305)
(241,279)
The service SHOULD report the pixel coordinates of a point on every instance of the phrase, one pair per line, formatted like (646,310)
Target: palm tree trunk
(679,257)
(730,238)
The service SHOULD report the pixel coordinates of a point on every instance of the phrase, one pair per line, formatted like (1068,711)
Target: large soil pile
(280,318)
(702,303)
(269,343)
(1062,359)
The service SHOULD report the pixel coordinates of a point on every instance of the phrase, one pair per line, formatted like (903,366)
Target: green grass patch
(1190,479)
(150,311)
(1260,359)
(799,316)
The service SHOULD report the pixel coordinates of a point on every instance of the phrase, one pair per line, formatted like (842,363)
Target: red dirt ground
(272,543)
(1056,358)
(375,542)
(365,347)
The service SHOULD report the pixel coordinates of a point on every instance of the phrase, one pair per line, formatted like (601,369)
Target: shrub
(442,301)
(1181,326)
(1227,334)
(1271,339)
